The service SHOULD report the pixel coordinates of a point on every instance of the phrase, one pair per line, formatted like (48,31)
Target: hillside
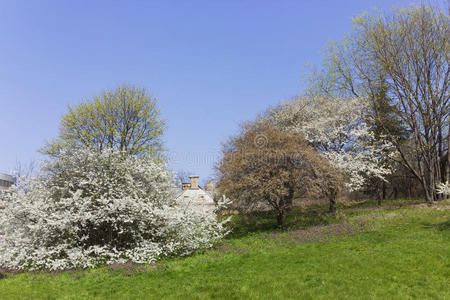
(400,251)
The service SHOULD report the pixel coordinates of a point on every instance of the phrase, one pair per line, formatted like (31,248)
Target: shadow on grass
(444,226)
(266,221)
(298,218)
(388,203)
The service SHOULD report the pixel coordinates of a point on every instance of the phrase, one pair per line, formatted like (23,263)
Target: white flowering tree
(443,189)
(340,131)
(89,208)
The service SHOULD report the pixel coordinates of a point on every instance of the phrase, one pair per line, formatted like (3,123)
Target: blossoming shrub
(339,129)
(443,188)
(87,209)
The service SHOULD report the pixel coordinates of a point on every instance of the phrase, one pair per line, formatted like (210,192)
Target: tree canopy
(264,165)
(126,119)
(339,130)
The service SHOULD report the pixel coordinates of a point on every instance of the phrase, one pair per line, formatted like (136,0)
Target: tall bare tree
(407,54)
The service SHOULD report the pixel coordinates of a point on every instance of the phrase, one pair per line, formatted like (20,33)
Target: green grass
(398,253)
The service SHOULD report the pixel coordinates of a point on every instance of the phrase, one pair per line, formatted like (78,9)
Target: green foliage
(385,115)
(396,254)
(126,119)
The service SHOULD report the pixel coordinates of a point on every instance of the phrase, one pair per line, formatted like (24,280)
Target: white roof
(6,177)
(196,197)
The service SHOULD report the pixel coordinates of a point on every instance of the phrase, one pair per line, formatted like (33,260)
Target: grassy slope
(394,253)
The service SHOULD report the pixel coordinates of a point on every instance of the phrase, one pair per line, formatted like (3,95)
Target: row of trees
(377,111)
(400,65)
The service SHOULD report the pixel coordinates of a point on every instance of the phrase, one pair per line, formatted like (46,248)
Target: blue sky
(211,64)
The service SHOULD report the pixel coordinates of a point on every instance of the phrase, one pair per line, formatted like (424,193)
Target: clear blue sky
(211,64)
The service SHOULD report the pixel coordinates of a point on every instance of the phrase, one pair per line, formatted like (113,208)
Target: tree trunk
(332,199)
(380,191)
(447,175)
(285,205)
(280,219)
(447,170)
(410,188)
(428,195)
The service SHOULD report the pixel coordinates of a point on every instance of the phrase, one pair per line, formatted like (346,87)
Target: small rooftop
(6,181)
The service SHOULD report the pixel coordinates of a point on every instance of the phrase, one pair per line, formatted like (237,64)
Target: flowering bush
(89,208)
(443,188)
(337,128)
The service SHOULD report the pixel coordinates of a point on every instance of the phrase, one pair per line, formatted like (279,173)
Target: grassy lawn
(360,253)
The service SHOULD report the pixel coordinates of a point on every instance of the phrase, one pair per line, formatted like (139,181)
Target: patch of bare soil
(316,233)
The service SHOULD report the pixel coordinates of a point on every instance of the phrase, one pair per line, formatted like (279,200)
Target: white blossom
(443,188)
(338,129)
(89,208)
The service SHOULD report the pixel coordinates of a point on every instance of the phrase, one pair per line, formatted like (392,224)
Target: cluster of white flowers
(337,128)
(443,188)
(89,208)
